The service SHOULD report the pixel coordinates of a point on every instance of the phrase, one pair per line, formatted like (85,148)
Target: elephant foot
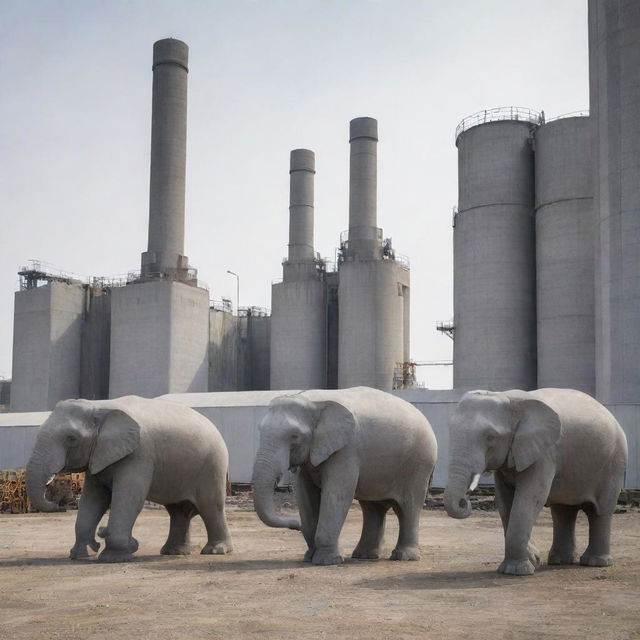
(516,567)
(327,556)
(533,555)
(595,561)
(115,555)
(103,532)
(308,555)
(217,549)
(79,550)
(176,550)
(365,554)
(405,553)
(558,556)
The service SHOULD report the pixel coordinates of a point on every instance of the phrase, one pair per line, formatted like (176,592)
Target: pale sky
(266,76)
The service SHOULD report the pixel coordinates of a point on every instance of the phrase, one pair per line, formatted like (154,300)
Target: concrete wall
(258,353)
(238,414)
(159,339)
(564,255)
(224,343)
(371,322)
(614,64)
(96,345)
(5,393)
(47,331)
(299,335)
(494,259)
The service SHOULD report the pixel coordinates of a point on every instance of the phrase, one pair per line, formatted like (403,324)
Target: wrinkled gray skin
(557,447)
(360,443)
(134,449)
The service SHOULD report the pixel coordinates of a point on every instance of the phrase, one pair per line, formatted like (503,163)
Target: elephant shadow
(436,580)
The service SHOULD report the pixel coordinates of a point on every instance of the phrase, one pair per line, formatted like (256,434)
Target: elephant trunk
(46,460)
(456,502)
(267,470)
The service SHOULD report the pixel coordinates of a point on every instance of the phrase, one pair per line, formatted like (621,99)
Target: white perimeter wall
(238,414)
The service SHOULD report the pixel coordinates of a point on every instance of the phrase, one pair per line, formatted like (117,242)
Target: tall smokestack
(363,231)
(168,161)
(302,171)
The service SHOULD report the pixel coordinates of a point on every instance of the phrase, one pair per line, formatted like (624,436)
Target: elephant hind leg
(373,520)
(598,553)
(563,549)
(180,515)
(408,513)
(211,509)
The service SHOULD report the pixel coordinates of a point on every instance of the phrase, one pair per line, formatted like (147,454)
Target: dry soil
(263,590)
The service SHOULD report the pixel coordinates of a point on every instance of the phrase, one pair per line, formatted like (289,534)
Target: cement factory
(546,269)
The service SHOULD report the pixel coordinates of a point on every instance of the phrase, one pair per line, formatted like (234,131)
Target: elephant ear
(537,429)
(117,435)
(334,430)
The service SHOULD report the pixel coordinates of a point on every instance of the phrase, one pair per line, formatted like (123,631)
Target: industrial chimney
(373,289)
(364,240)
(298,303)
(165,254)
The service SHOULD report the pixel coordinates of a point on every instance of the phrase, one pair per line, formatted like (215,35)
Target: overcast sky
(266,76)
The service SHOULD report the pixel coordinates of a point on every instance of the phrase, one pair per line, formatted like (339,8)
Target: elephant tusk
(474,482)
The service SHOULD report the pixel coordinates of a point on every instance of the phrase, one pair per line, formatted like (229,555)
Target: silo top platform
(521,114)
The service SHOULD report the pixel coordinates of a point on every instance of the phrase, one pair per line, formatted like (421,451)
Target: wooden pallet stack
(64,489)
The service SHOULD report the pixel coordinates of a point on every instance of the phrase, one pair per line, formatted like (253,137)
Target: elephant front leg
(308,498)
(598,553)
(504,502)
(338,486)
(532,489)
(94,502)
(130,489)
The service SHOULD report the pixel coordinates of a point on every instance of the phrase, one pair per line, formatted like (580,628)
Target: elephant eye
(491,438)
(71,439)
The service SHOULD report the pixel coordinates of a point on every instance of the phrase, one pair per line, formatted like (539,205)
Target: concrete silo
(494,254)
(564,254)
(614,79)
(373,292)
(299,302)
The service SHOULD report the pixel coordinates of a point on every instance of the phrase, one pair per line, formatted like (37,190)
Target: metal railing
(499,113)
(573,114)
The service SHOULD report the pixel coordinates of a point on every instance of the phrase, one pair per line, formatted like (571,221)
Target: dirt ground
(263,590)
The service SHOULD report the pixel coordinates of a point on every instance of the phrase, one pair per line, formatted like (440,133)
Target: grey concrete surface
(159,339)
(299,335)
(371,309)
(494,259)
(302,168)
(225,352)
(363,188)
(259,353)
(564,255)
(165,250)
(614,79)
(299,303)
(47,335)
(96,345)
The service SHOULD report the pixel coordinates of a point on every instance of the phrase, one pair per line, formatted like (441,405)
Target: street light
(237,290)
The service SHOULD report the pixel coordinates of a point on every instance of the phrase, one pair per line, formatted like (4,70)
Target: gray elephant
(358,442)
(134,449)
(555,446)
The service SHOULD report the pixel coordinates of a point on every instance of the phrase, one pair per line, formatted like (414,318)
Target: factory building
(350,327)
(157,332)
(546,264)
(154,332)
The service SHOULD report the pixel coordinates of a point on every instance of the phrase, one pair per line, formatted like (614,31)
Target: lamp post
(237,290)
